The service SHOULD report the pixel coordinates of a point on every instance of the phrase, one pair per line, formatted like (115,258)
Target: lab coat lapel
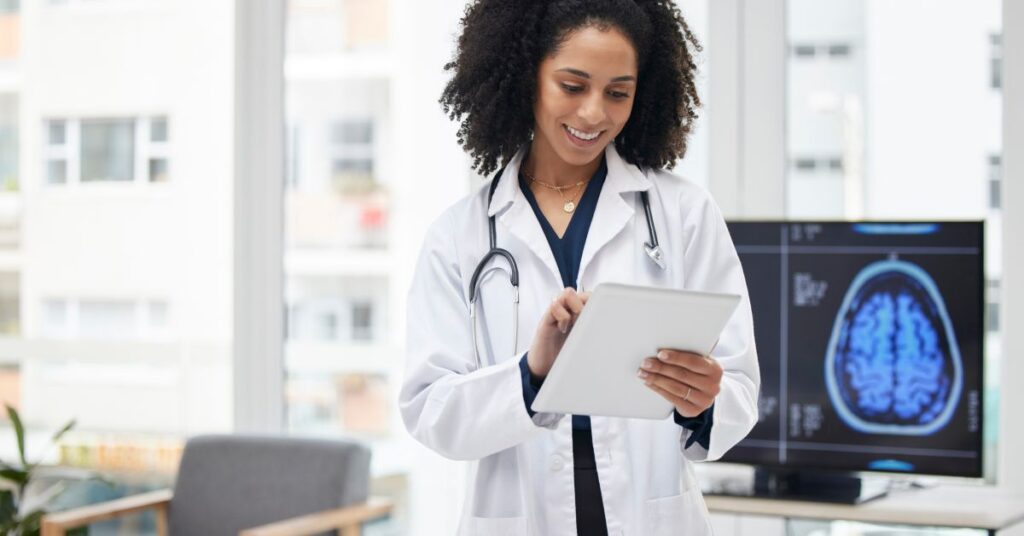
(613,210)
(516,217)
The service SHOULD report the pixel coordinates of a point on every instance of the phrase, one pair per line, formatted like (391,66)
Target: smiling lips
(581,138)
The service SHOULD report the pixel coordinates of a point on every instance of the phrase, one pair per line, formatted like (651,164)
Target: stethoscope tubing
(652,248)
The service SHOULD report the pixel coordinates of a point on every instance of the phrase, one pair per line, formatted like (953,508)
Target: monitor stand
(813,486)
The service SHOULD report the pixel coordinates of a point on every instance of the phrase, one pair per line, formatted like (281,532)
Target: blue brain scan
(893,364)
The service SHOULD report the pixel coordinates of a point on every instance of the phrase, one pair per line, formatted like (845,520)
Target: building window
(829,164)
(106,150)
(362,321)
(8,142)
(996,62)
(805,165)
(993,287)
(352,163)
(804,51)
(838,50)
(995,181)
(105,319)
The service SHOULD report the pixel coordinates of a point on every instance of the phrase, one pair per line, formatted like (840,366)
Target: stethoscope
(652,248)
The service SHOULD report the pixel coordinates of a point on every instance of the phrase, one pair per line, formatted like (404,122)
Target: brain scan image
(893,365)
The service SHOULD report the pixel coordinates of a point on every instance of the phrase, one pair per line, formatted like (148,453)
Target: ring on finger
(688,391)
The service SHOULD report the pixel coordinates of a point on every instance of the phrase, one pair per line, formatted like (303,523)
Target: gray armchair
(252,486)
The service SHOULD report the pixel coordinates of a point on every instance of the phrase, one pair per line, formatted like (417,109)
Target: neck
(543,164)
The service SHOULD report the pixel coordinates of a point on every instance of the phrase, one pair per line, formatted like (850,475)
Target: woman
(584,103)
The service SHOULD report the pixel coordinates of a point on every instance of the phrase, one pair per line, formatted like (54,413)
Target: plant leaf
(17,476)
(66,429)
(19,431)
(30,523)
(7,508)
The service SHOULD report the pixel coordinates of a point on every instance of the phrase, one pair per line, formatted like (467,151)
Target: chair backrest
(229,483)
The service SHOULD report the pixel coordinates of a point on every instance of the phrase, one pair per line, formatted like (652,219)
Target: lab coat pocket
(679,514)
(495,526)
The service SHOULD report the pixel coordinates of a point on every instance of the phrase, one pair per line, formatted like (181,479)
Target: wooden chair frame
(348,520)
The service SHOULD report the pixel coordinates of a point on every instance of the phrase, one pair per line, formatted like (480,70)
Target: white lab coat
(521,474)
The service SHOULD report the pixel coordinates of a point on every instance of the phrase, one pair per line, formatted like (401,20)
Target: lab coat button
(557,464)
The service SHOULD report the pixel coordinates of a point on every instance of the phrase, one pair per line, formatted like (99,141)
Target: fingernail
(663,355)
(647,364)
(641,374)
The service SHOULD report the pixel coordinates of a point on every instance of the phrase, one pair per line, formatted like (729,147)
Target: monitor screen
(869,337)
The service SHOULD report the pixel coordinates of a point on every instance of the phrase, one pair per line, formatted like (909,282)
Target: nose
(591,111)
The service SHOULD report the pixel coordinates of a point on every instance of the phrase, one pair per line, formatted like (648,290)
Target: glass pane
(107,320)
(108,150)
(158,129)
(137,298)
(56,132)
(57,171)
(872,127)
(157,170)
(9,150)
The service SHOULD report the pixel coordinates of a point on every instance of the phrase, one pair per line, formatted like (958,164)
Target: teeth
(582,135)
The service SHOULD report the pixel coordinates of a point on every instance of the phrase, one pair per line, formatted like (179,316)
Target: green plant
(17,517)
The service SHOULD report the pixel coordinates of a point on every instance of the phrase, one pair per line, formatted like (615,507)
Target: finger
(561,315)
(686,408)
(691,361)
(695,393)
(584,296)
(707,384)
(574,303)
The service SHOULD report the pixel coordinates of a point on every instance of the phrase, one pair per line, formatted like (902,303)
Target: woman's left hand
(689,381)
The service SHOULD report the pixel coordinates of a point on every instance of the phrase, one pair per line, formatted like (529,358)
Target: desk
(988,510)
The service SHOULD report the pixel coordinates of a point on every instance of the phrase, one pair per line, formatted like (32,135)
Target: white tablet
(595,373)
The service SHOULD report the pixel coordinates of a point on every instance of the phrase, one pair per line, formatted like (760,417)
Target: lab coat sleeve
(446,402)
(711,264)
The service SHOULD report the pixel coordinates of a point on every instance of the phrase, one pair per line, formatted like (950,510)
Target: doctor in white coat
(604,117)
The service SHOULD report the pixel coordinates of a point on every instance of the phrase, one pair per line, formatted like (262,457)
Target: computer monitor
(869,337)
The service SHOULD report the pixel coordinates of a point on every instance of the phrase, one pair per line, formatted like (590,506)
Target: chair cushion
(227,483)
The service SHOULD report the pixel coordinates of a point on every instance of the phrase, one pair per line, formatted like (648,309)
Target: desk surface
(945,506)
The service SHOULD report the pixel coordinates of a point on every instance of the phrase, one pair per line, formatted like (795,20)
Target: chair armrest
(347,519)
(57,523)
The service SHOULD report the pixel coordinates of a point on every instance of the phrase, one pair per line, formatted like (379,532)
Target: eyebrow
(583,74)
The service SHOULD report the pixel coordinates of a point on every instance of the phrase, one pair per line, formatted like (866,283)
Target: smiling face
(585,93)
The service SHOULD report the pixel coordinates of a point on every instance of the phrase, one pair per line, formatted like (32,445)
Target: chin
(574,156)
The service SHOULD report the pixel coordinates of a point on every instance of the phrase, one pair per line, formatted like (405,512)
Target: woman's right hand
(553,329)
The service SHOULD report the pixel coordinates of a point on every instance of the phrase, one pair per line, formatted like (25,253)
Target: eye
(618,95)
(572,88)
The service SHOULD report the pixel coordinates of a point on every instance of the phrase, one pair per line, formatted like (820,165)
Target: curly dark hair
(503,42)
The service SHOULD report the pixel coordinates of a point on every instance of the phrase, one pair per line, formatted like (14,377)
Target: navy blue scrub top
(568,252)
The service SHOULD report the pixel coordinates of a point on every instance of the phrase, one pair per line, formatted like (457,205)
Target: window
(995,181)
(8,142)
(352,165)
(108,150)
(804,51)
(805,165)
(996,62)
(838,50)
(992,302)
(362,321)
(8,6)
(105,319)
(100,150)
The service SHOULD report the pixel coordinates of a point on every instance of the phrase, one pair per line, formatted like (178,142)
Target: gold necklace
(568,205)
